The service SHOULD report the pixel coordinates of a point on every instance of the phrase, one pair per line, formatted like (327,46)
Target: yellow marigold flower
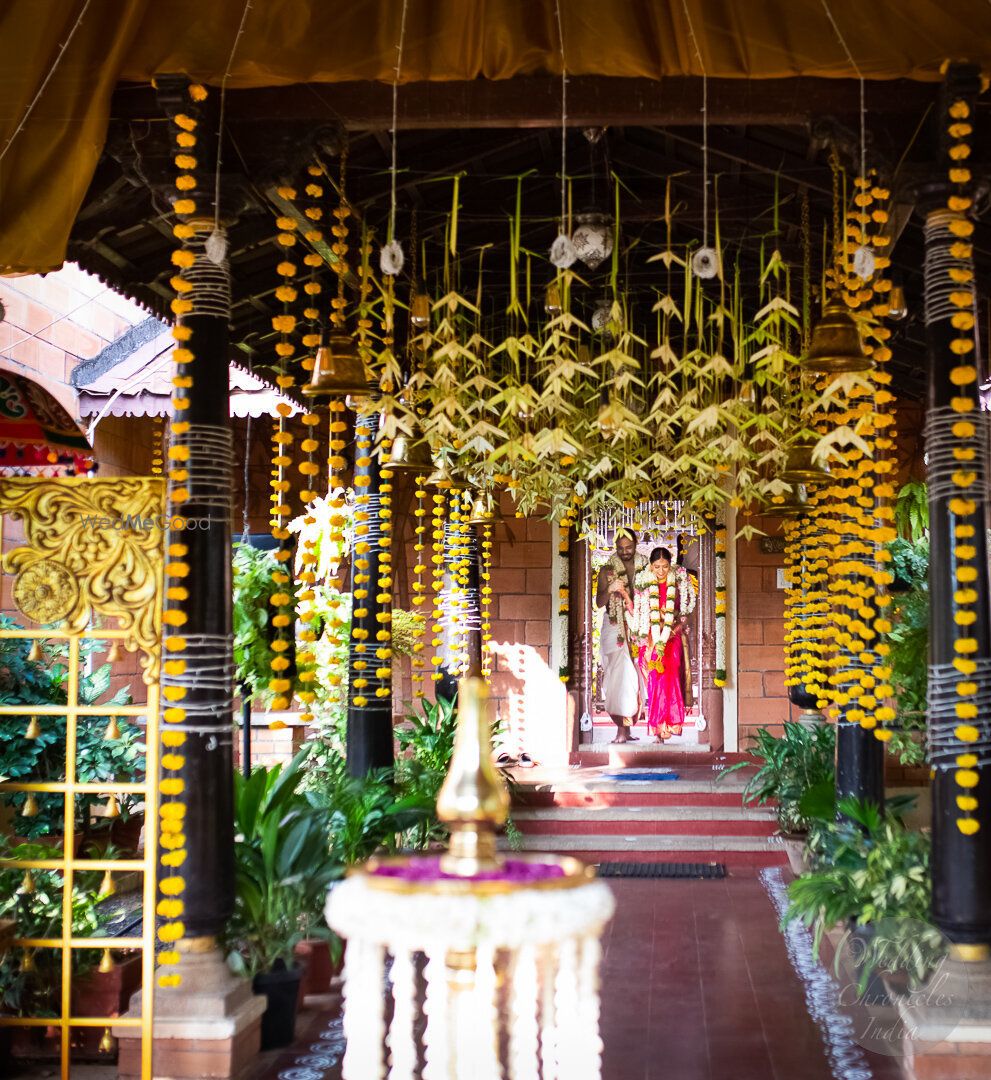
(966,802)
(185,139)
(968,826)
(965,645)
(965,667)
(966,778)
(184,206)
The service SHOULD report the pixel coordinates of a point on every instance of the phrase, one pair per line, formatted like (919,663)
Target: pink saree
(665,696)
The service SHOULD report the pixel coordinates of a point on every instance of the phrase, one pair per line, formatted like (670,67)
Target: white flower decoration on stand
(864,263)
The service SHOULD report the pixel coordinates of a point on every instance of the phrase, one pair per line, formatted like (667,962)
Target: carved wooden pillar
(712,695)
(579,627)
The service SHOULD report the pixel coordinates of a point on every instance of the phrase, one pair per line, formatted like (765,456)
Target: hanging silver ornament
(593,239)
(216,246)
(563,252)
(391,258)
(705,263)
(864,263)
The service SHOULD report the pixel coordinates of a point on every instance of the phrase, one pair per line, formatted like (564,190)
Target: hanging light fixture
(338,370)
(552,300)
(836,345)
(800,468)
(593,238)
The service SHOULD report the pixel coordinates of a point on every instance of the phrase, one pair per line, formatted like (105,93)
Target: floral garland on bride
(616,606)
(647,619)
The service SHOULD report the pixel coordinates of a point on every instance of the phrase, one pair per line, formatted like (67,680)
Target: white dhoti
(621,688)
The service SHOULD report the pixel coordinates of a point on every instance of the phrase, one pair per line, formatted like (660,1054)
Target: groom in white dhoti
(622,683)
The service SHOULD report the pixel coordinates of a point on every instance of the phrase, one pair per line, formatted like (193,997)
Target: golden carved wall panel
(92,547)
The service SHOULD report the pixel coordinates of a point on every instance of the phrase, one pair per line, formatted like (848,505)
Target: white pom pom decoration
(563,252)
(705,263)
(216,246)
(864,263)
(391,258)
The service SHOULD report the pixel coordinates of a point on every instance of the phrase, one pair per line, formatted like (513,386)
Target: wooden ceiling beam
(535,102)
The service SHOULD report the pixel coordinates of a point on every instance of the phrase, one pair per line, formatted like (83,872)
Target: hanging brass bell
(897,307)
(106,962)
(113,653)
(107,1043)
(27,883)
(338,370)
(112,809)
(836,344)
(552,300)
(794,505)
(113,730)
(441,476)
(34,728)
(410,453)
(107,886)
(484,509)
(35,655)
(30,806)
(801,469)
(419,310)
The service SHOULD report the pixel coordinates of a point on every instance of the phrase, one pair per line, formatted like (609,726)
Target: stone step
(644,812)
(644,848)
(597,799)
(596,827)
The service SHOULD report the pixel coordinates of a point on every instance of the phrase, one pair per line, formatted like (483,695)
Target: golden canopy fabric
(46,170)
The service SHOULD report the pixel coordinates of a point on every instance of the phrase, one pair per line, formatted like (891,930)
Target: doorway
(667,524)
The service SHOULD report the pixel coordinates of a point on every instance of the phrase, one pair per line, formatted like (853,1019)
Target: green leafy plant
(787,767)
(25,682)
(284,867)
(909,563)
(869,868)
(912,511)
(253,589)
(909,657)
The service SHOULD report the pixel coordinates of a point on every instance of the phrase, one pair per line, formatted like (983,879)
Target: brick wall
(763,701)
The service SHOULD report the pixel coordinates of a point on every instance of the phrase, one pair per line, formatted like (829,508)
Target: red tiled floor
(696,985)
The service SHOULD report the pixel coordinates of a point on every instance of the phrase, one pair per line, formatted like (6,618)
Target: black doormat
(661,870)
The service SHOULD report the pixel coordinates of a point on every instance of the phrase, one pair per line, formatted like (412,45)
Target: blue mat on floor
(640,776)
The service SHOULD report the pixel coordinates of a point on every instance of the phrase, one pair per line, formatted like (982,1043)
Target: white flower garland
(616,606)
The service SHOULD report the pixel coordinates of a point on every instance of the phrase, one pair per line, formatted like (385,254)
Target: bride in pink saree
(665,598)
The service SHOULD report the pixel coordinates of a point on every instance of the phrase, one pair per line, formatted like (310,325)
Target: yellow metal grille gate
(123,582)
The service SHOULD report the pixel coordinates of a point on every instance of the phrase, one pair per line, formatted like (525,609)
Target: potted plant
(868,868)
(787,767)
(36,905)
(284,866)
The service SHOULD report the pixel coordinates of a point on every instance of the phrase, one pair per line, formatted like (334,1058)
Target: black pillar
(959,652)
(369,731)
(197,678)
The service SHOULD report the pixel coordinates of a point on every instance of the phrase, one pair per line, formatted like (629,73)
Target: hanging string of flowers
(172,810)
(485,601)
(418,588)
(362,564)
(309,468)
(437,583)
(965,446)
(283,599)
(719,544)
